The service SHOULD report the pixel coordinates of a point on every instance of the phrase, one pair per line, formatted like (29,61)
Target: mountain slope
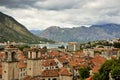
(82,34)
(11,30)
(36,32)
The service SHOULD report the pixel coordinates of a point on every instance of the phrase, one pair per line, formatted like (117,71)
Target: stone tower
(10,64)
(34,62)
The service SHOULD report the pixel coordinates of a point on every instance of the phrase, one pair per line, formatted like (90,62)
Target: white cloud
(67,13)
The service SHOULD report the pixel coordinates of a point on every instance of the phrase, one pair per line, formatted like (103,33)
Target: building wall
(58,63)
(22,73)
(73,47)
(33,55)
(33,67)
(89,52)
(65,78)
(49,67)
(52,78)
(9,71)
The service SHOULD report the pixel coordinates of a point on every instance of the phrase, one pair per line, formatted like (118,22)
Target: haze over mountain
(82,34)
(36,32)
(11,30)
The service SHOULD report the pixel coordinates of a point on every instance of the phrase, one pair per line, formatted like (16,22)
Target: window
(52,67)
(54,79)
(56,66)
(23,74)
(29,68)
(6,55)
(36,54)
(13,56)
(30,54)
(4,71)
(48,78)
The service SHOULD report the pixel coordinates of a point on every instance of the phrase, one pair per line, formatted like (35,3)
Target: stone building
(10,64)
(73,46)
(17,66)
(34,62)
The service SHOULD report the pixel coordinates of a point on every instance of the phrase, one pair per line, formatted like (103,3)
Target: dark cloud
(41,4)
(18,3)
(59,5)
(44,13)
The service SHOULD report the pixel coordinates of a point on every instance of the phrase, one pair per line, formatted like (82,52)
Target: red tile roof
(34,49)
(54,54)
(21,64)
(22,59)
(21,56)
(30,78)
(95,69)
(62,59)
(73,63)
(49,62)
(1,55)
(50,73)
(98,60)
(56,72)
(65,72)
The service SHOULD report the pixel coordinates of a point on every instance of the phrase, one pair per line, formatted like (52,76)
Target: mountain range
(36,32)
(82,34)
(11,30)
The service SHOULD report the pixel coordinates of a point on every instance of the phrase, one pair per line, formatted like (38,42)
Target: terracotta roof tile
(95,69)
(21,64)
(98,60)
(65,72)
(34,49)
(50,73)
(54,53)
(62,59)
(1,55)
(49,62)
(73,63)
(21,56)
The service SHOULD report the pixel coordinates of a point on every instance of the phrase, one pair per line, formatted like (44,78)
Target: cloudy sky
(40,14)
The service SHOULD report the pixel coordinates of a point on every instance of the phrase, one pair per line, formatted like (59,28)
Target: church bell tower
(34,62)
(10,63)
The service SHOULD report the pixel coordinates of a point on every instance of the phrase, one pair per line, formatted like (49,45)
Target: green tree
(116,44)
(44,49)
(97,76)
(21,47)
(110,66)
(61,47)
(115,73)
(105,69)
(84,73)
